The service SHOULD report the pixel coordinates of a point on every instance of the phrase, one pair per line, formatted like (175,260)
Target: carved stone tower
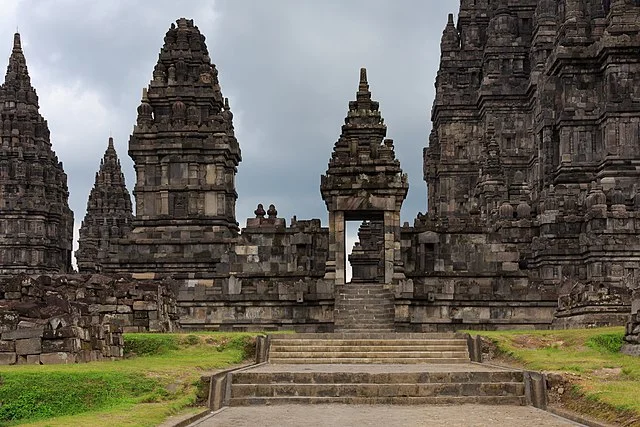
(109,214)
(364,181)
(186,157)
(36,224)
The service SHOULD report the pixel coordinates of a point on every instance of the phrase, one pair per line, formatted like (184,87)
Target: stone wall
(78,318)
(632,337)
(463,279)
(276,281)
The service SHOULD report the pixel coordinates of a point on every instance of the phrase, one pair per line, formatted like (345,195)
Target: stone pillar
(389,247)
(393,268)
(335,266)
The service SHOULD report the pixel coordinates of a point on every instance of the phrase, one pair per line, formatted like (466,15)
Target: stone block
(102,308)
(144,276)
(28,346)
(145,305)
(123,309)
(33,359)
(57,358)
(18,334)
(510,266)
(7,346)
(8,358)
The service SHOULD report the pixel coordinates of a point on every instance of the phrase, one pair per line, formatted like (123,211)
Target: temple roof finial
(17,44)
(364,84)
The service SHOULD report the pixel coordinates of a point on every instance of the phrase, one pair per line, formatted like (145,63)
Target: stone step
(372,335)
(349,377)
(365,348)
(377,390)
(370,354)
(368,316)
(373,294)
(368,342)
(443,400)
(365,360)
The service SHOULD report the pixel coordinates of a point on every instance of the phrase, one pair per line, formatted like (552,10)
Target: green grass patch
(159,378)
(608,343)
(591,357)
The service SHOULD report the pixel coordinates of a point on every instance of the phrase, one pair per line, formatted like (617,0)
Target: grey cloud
(289,68)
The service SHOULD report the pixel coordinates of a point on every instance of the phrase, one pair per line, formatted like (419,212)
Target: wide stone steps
(350,348)
(366,360)
(497,387)
(378,390)
(439,400)
(373,354)
(350,377)
(365,348)
(344,335)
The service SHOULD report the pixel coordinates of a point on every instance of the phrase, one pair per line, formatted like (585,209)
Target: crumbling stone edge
(220,384)
(536,391)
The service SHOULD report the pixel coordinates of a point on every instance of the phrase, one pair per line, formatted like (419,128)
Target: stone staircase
(364,307)
(374,368)
(368,348)
(356,387)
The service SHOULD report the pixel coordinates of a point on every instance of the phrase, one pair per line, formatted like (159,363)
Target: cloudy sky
(289,68)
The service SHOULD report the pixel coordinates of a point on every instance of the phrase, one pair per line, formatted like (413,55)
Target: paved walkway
(383,415)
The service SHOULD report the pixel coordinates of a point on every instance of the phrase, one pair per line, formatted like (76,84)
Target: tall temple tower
(536,127)
(36,224)
(186,157)
(364,181)
(109,214)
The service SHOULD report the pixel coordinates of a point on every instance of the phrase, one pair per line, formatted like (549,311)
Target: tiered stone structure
(109,214)
(364,181)
(366,258)
(532,173)
(185,156)
(36,224)
(531,163)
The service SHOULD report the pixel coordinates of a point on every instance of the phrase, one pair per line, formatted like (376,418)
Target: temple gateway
(532,171)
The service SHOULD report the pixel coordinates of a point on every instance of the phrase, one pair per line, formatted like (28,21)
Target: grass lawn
(607,381)
(159,379)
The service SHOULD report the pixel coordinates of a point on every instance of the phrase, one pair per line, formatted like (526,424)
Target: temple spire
(450,37)
(109,213)
(34,185)
(364,84)
(17,45)
(17,71)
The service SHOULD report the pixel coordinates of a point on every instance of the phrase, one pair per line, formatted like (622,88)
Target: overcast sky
(289,68)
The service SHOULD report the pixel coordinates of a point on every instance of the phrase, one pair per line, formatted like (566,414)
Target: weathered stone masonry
(78,318)
(532,174)
(36,224)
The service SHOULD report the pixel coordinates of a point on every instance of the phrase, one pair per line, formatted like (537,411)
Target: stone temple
(532,171)
(36,224)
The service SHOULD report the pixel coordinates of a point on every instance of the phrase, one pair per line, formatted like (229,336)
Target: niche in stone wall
(178,204)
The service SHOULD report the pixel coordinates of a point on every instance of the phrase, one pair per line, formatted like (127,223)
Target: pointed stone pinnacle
(364,85)
(17,44)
